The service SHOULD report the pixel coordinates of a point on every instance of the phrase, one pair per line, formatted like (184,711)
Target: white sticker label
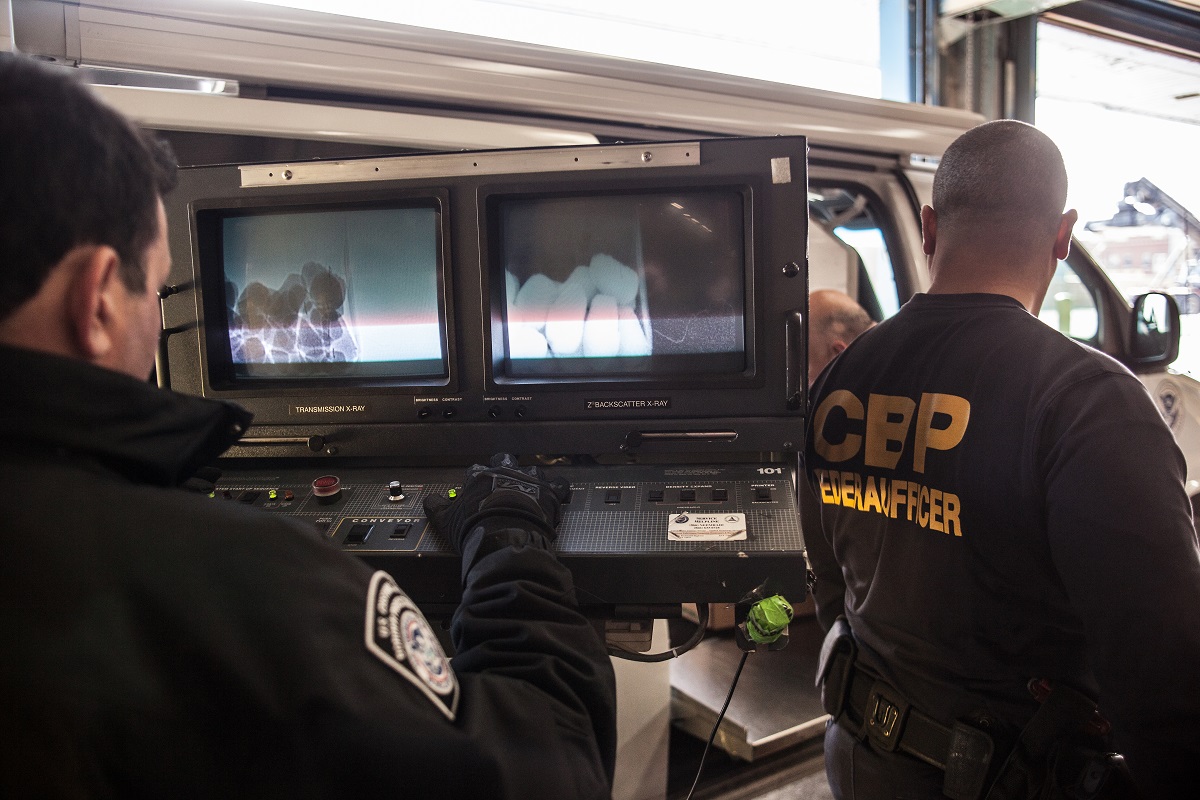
(781,170)
(689,527)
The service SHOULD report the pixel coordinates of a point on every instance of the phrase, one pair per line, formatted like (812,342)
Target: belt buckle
(886,713)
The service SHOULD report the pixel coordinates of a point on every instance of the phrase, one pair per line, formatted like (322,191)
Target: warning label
(689,527)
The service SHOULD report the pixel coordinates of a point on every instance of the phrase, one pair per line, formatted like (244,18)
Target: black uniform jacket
(158,643)
(988,501)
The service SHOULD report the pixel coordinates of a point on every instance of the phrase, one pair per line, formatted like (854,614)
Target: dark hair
(1004,172)
(73,171)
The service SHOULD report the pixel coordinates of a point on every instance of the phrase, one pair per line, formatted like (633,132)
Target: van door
(864,232)
(1086,305)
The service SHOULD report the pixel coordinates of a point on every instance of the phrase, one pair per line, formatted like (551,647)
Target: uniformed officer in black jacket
(158,644)
(996,517)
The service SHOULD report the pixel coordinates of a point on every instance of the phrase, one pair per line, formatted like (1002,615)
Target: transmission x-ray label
(327,408)
(689,527)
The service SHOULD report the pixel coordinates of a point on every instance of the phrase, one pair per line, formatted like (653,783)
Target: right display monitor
(622,284)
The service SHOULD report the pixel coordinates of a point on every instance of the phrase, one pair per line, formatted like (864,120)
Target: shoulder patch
(400,636)
(1170,404)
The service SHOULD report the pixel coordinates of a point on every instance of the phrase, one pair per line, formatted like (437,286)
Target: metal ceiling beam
(1165,26)
(1004,8)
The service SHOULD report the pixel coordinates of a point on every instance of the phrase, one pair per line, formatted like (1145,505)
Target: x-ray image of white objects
(595,313)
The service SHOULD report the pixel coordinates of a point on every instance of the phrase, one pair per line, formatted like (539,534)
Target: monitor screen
(323,293)
(647,284)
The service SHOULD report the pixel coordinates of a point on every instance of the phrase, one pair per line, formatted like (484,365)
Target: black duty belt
(872,709)
(892,724)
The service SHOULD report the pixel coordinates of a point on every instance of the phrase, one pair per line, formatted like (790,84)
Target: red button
(327,486)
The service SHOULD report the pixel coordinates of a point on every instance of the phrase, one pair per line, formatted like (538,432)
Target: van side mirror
(1154,340)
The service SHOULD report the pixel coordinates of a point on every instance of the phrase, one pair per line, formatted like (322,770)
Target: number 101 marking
(770,470)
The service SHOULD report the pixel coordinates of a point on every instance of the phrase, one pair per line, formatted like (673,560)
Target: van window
(848,249)
(1070,306)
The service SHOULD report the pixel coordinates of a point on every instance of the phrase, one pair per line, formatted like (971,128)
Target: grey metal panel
(280,47)
(565,159)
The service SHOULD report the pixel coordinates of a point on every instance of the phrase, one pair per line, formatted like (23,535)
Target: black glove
(501,490)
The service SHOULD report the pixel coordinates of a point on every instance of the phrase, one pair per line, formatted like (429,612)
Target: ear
(92,302)
(838,346)
(928,230)
(1062,241)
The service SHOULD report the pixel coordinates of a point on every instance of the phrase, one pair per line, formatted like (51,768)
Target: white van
(236,70)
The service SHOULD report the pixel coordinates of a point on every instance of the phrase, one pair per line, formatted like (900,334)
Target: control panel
(632,536)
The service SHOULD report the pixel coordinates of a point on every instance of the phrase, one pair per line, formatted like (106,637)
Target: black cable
(713,736)
(667,655)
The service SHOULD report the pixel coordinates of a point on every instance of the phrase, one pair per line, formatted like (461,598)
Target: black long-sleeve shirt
(158,643)
(988,502)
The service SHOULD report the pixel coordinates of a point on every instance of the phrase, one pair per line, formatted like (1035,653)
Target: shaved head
(1003,174)
(997,224)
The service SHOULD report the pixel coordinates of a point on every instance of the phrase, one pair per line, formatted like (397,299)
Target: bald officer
(996,517)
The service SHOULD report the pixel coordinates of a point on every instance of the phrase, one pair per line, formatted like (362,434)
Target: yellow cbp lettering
(871,501)
(935,510)
(829,488)
(950,509)
(923,507)
(947,438)
(848,493)
(899,495)
(849,446)
(888,420)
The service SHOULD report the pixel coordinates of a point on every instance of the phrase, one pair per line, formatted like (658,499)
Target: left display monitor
(329,293)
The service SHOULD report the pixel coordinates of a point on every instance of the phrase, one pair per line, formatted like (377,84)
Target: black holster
(1055,759)
(838,653)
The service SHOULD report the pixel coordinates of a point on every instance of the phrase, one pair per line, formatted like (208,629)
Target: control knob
(395,492)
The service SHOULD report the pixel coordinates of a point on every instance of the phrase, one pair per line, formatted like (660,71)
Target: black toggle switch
(358,533)
(612,496)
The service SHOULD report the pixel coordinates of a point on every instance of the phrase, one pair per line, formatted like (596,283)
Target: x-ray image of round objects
(630,283)
(333,293)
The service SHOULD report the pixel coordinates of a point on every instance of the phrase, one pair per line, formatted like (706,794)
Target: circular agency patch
(1170,404)
(400,636)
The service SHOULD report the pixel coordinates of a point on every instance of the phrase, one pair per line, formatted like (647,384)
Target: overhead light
(140,79)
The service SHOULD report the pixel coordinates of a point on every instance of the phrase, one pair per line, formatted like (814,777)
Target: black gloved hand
(500,490)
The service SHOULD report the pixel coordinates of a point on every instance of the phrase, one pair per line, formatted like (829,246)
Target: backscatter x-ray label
(689,527)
